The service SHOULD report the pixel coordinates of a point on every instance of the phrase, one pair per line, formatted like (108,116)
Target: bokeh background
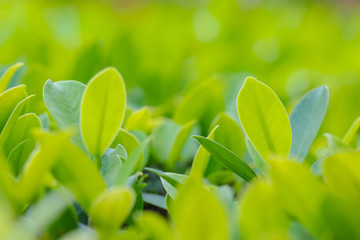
(166,48)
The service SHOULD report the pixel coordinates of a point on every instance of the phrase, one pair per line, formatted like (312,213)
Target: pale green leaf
(111,163)
(63,100)
(264,119)
(306,119)
(102,110)
(154,199)
(229,159)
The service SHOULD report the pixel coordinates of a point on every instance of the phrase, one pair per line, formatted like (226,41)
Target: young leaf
(12,120)
(170,181)
(229,134)
(306,119)
(229,159)
(6,77)
(21,142)
(129,142)
(129,165)
(352,134)
(179,143)
(139,120)
(111,163)
(102,110)
(8,101)
(201,158)
(264,119)
(111,208)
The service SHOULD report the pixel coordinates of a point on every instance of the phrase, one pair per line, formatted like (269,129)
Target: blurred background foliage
(166,49)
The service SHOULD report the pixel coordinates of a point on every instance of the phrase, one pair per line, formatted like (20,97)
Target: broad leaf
(63,100)
(229,159)
(102,110)
(139,120)
(154,199)
(264,119)
(306,119)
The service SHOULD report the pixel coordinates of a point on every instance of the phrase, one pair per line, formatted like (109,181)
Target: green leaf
(7,76)
(264,119)
(102,110)
(129,165)
(139,120)
(21,142)
(170,181)
(341,172)
(229,134)
(201,158)
(8,101)
(84,185)
(63,100)
(229,159)
(154,199)
(129,142)
(180,140)
(201,103)
(111,208)
(111,163)
(12,120)
(300,194)
(261,214)
(198,214)
(306,119)
(351,137)
(255,156)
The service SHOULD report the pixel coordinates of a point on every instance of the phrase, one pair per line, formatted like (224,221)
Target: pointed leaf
(229,159)
(306,119)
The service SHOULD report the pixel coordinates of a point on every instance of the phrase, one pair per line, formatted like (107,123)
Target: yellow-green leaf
(264,119)
(102,110)
(6,77)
